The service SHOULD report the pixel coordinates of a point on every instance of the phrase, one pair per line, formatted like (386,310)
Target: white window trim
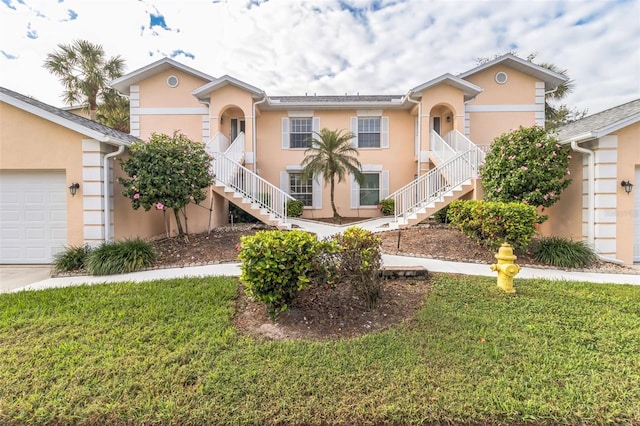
(286,129)
(316,192)
(384,131)
(383,183)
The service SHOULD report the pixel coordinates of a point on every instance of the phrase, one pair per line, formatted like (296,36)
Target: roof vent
(172,81)
(501,77)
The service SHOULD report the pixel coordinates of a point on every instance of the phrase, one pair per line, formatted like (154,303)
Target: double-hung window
(370,190)
(374,187)
(300,132)
(301,189)
(369,132)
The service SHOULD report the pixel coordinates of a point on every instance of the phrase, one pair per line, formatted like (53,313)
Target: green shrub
(359,262)
(441,215)
(492,223)
(120,257)
(387,207)
(276,265)
(295,208)
(71,259)
(526,165)
(562,252)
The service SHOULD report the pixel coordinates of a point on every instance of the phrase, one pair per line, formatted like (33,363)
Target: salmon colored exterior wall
(398,158)
(155,93)
(628,160)
(565,216)
(440,101)
(33,143)
(518,91)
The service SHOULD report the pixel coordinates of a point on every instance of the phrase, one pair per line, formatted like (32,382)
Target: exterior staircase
(457,162)
(244,188)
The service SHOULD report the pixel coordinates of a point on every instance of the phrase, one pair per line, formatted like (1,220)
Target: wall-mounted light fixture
(627,186)
(73,188)
(448,119)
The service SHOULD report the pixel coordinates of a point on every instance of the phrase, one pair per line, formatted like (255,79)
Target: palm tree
(332,155)
(84,72)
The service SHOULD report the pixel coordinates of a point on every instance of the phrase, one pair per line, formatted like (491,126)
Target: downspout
(105,191)
(591,195)
(254,136)
(419,103)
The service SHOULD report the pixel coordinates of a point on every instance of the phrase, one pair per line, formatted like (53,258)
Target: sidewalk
(432,265)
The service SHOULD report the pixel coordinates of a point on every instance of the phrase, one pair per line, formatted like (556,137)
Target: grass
(166,352)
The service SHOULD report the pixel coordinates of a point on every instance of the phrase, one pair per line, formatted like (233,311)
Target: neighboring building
(421,148)
(43,151)
(596,207)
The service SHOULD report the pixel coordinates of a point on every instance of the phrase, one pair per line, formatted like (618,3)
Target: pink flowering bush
(527,165)
(167,172)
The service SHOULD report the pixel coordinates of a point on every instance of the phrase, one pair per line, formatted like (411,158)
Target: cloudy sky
(292,47)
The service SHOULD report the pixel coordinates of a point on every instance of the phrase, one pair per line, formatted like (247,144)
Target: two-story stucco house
(421,148)
(401,138)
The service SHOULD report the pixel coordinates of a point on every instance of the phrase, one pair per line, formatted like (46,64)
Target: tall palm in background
(332,155)
(84,70)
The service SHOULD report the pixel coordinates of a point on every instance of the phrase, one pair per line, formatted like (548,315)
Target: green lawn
(166,353)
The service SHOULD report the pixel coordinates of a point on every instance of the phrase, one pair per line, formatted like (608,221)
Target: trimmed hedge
(492,223)
(278,264)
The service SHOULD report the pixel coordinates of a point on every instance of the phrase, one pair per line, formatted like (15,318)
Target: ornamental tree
(526,165)
(167,172)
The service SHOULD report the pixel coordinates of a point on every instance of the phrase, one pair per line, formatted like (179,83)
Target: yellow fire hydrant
(506,268)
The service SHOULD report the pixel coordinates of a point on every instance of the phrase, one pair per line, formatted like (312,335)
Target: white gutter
(105,191)
(591,191)
(254,135)
(419,103)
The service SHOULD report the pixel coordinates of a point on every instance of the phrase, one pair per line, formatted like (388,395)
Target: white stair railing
(437,182)
(228,171)
(251,187)
(218,143)
(440,149)
(235,152)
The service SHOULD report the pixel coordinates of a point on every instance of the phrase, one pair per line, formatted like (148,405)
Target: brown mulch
(323,313)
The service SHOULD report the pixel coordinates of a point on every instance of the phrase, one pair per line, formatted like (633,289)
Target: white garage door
(33,216)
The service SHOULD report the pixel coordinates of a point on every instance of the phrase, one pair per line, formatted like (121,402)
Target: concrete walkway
(324,230)
(432,265)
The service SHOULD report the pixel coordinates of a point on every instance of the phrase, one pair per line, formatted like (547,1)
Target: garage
(33,216)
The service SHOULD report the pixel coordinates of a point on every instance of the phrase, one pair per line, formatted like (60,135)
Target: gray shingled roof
(602,123)
(336,99)
(107,131)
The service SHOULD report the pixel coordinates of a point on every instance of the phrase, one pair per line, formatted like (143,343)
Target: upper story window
(501,77)
(369,132)
(173,81)
(300,132)
(297,132)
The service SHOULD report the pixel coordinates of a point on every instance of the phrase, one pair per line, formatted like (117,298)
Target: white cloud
(333,47)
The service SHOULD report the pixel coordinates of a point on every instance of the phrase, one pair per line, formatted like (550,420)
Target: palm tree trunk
(333,204)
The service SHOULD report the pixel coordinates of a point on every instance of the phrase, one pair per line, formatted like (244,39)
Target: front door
(237,126)
(436,124)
